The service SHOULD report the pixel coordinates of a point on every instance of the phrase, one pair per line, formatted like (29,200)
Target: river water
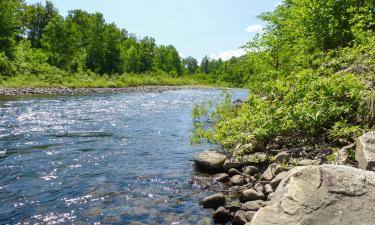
(100,159)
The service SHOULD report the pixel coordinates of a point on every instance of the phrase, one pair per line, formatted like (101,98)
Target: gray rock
(238,180)
(250,170)
(239,218)
(233,206)
(342,156)
(253,205)
(213,201)
(268,189)
(251,195)
(249,216)
(281,158)
(221,215)
(308,162)
(239,162)
(211,162)
(365,151)
(276,181)
(259,187)
(272,171)
(232,172)
(221,177)
(320,195)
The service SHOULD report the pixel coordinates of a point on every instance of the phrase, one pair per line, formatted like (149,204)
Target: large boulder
(320,195)
(365,151)
(210,161)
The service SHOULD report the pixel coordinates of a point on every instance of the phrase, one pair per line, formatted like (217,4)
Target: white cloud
(226,55)
(256,28)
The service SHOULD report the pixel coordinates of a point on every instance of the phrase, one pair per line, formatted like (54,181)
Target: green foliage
(9,25)
(306,75)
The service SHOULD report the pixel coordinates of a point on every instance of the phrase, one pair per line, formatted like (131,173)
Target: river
(101,158)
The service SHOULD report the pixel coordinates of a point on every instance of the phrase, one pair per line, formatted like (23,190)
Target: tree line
(82,41)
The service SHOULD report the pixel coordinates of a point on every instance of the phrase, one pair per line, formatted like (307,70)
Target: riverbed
(118,158)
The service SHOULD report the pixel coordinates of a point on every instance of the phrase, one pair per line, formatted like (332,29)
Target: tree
(191,64)
(62,42)
(205,65)
(37,18)
(10,25)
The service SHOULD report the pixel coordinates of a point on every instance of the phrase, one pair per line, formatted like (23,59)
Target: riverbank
(287,186)
(72,91)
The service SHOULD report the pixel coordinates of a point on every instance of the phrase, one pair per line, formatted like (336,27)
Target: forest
(311,76)
(39,47)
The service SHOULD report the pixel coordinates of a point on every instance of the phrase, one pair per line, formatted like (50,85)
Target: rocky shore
(268,189)
(71,91)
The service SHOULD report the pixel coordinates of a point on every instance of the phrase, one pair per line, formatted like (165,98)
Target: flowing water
(100,159)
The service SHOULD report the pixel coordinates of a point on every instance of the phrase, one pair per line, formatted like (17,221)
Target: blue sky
(216,28)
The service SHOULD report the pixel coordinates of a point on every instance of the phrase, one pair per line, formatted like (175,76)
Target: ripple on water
(100,159)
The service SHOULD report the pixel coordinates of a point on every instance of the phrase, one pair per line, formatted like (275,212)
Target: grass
(88,80)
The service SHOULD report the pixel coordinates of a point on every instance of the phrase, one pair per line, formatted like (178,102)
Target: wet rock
(268,189)
(210,161)
(272,171)
(250,170)
(320,195)
(238,180)
(239,218)
(308,162)
(221,215)
(253,205)
(281,158)
(221,177)
(276,181)
(251,195)
(232,172)
(365,151)
(213,201)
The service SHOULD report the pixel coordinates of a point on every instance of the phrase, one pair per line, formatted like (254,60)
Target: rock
(272,171)
(250,170)
(253,205)
(221,177)
(276,181)
(281,158)
(268,189)
(213,201)
(238,180)
(342,156)
(308,162)
(221,215)
(233,206)
(259,187)
(251,195)
(239,218)
(233,163)
(365,151)
(249,216)
(211,162)
(320,195)
(239,162)
(232,172)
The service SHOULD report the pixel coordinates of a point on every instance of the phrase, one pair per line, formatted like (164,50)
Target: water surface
(100,159)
